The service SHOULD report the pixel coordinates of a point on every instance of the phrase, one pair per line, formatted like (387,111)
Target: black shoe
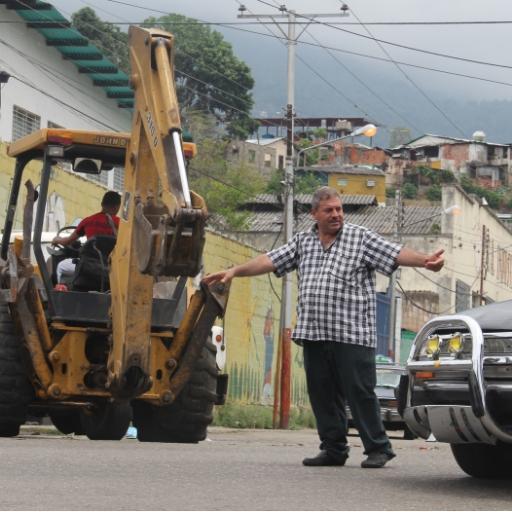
(324,459)
(377,459)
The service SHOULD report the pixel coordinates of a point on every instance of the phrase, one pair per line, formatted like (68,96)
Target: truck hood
(493,317)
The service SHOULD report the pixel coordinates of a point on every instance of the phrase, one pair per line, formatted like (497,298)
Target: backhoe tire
(484,460)
(67,422)
(107,422)
(16,391)
(186,420)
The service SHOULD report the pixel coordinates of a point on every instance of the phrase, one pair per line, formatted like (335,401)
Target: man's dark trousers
(337,373)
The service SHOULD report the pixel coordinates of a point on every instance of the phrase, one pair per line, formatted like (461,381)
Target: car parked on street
(388,380)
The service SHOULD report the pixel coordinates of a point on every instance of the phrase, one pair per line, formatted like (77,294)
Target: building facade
(264,155)
(487,163)
(51,82)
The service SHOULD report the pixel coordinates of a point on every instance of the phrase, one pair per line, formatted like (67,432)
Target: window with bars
(119,178)
(24,122)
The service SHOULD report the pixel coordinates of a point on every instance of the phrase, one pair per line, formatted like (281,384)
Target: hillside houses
(487,163)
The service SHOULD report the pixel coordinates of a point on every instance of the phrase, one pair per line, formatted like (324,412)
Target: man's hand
(435,261)
(224,276)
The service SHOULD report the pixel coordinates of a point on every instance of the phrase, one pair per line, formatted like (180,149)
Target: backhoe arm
(161,231)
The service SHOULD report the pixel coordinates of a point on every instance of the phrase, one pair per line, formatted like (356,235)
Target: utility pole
(484,262)
(392,281)
(286,302)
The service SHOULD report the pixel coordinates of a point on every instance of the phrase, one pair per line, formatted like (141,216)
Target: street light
(368,130)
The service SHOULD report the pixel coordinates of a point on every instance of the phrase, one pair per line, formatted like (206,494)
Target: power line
(313,22)
(348,52)
(420,50)
(409,79)
(416,305)
(362,82)
(343,95)
(63,103)
(232,107)
(51,72)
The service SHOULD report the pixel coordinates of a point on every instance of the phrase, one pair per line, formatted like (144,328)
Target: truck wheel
(187,419)
(107,422)
(484,460)
(16,391)
(408,433)
(67,422)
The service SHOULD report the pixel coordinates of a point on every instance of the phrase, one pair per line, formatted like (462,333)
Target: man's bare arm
(262,264)
(65,240)
(411,258)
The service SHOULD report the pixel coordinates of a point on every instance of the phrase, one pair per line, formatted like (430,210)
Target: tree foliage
(410,191)
(225,186)
(304,183)
(493,198)
(209,76)
(106,37)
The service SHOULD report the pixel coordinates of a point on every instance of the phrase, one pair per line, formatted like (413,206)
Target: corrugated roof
(418,220)
(306,199)
(353,169)
(73,46)
(442,139)
(264,141)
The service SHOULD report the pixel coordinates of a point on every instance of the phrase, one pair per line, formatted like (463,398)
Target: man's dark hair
(111,198)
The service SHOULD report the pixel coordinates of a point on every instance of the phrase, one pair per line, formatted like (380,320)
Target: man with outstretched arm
(336,321)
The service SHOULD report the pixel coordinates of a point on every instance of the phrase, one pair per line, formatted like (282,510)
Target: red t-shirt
(97,224)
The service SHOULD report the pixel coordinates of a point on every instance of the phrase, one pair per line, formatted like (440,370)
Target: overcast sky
(488,43)
(482,42)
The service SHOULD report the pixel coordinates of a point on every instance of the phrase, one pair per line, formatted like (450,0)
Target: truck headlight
(430,346)
(455,344)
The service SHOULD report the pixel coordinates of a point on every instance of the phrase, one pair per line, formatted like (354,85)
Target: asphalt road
(232,470)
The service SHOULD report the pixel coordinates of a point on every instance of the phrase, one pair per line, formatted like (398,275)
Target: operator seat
(91,272)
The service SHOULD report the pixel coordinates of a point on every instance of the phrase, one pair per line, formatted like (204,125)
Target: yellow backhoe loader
(126,344)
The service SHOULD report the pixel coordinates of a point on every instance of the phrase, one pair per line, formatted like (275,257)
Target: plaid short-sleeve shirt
(337,299)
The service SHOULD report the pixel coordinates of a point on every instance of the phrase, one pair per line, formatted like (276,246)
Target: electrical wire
(442,286)
(408,78)
(426,68)
(211,97)
(343,95)
(51,73)
(420,50)
(364,84)
(348,52)
(67,105)
(416,305)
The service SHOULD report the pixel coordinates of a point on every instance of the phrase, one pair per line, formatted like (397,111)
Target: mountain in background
(339,94)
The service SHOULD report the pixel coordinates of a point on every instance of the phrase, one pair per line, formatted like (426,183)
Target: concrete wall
(252,327)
